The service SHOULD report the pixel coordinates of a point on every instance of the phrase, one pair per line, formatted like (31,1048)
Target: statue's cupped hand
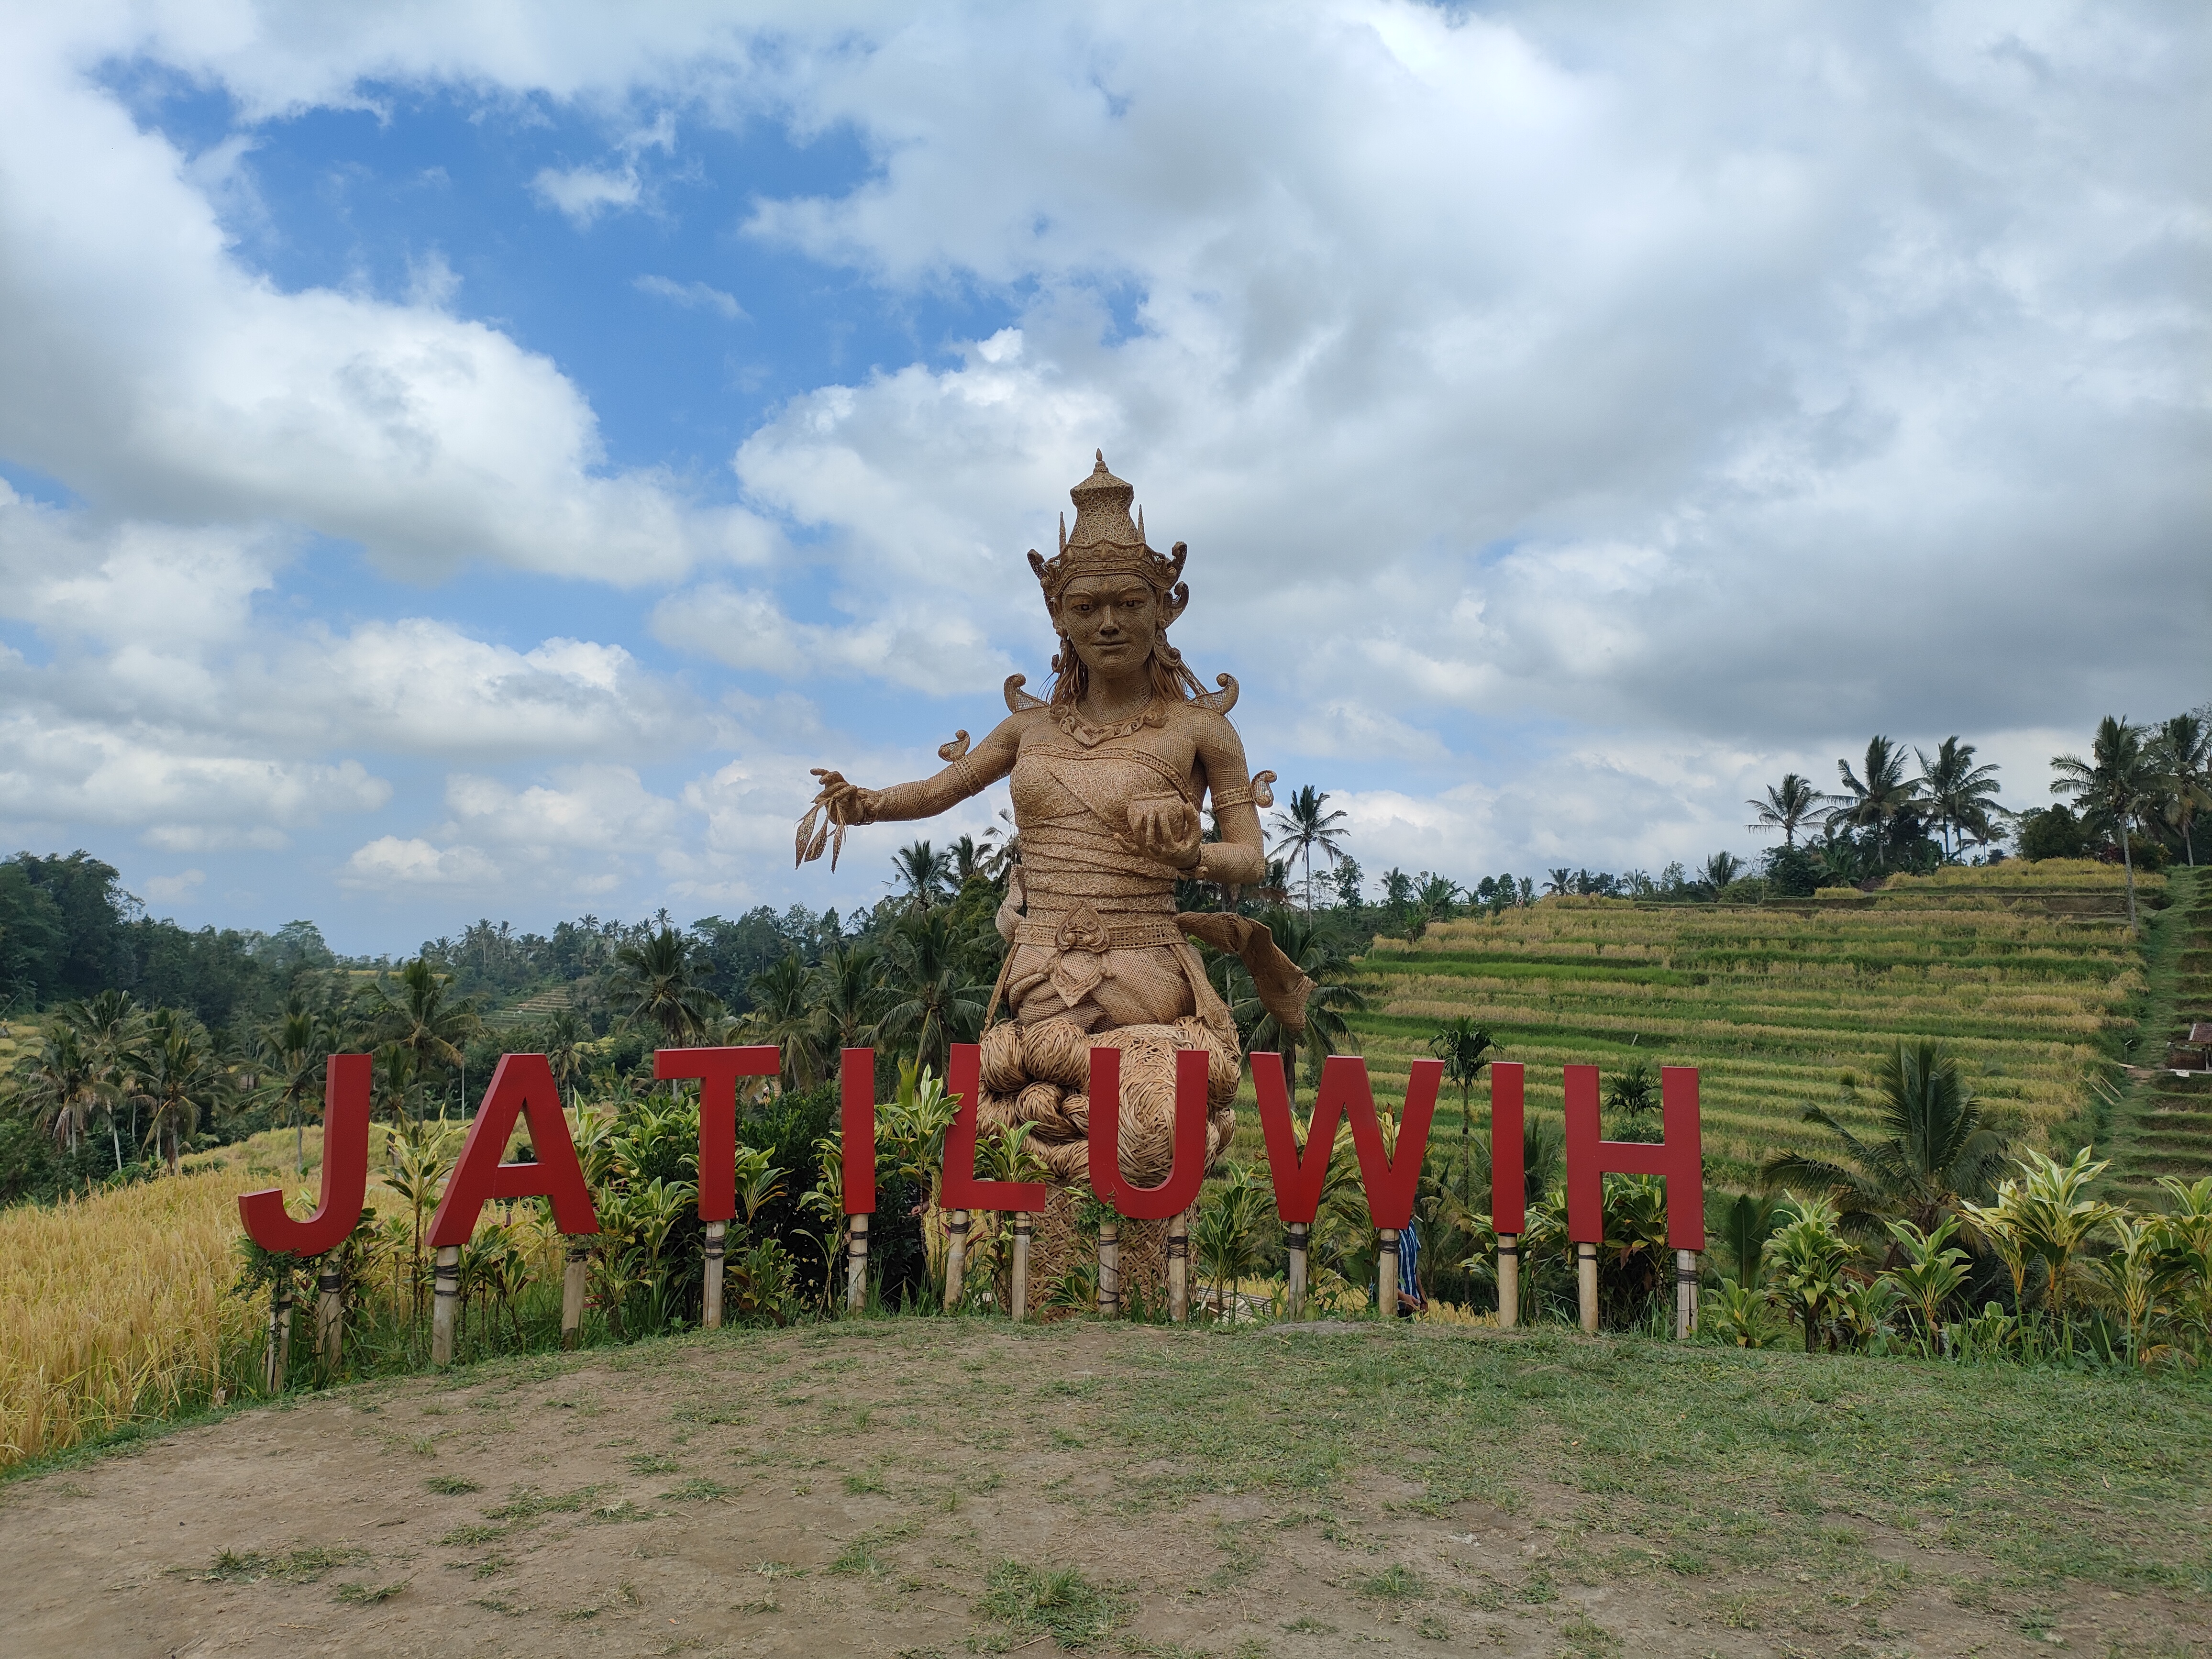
(846,803)
(1167,829)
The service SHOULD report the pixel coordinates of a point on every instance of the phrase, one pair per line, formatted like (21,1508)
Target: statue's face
(1113,621)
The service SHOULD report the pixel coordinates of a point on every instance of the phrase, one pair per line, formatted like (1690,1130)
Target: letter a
(345,1171)
(523,1084)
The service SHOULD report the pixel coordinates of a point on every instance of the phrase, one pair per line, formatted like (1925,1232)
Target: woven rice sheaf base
(1037,1074)
(1058,1242)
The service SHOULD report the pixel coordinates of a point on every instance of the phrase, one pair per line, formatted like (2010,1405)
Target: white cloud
(390,864)
(584,193)
(696,296)
(168,890)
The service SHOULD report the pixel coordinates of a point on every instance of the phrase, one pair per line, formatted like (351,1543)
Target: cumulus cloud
(390,864)
(584,193)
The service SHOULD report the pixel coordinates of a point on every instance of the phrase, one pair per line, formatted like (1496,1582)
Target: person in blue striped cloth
(1410,1301)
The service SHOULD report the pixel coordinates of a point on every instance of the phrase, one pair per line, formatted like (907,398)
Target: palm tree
(932,1003)
(107,1028)
(418,1016)
(1720,870)
(2184,750)
(848,988)
(2114,786)
(63,1084)
(1884,794)
(922,874)
(1465,1048)
(1937,1151)
(1301,826)
(657,982)
(1562,883)
(1789,804)
(784,1012)
(567,1051)
(968,859)
(301,1045)
(1316,955)
(1961,796)
(182,1080)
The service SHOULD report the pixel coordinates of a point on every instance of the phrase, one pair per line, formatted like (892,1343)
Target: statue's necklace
(1152,714)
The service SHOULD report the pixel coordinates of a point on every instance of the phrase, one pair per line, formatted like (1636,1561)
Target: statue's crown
(1107,542)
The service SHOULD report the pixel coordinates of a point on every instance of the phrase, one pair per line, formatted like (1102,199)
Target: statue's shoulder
(1203,722)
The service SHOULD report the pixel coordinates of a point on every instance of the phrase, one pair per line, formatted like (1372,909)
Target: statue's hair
(1172,680)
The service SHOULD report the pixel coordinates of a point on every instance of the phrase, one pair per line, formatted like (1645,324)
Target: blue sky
(466,463)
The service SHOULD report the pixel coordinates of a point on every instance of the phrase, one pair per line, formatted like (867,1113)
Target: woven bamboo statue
(1109,774)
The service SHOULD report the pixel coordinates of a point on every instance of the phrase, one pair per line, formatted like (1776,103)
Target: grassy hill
(2027,970)
(2163,1125)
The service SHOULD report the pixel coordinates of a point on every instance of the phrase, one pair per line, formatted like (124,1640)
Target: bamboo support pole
(856,1263)
(1110,1269)
(1686,1295)
(572,1294)
(1017,1295)
(1179,1267)
(330,1316)
(1386,1276)
(1586,1284)
(956,1258)
(1509,1280)
(710,1311)
(276,1361)
(1294,1298)
(445,1303)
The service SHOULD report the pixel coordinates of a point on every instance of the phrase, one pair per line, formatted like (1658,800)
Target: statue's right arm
(973,773)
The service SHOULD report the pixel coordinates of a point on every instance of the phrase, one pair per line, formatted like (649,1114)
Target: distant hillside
(2027,970)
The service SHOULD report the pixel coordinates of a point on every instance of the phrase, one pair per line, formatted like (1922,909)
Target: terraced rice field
(2026,970)
(2165,1125)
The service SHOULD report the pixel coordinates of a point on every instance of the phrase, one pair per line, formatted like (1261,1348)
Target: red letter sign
(522,1083)
(856,1128)
(1509,1181)
(345,1170)
(1677,1157)
(1391,1184)
(961,1189)
(1185,1175)
(1299,1176)
(718,1070)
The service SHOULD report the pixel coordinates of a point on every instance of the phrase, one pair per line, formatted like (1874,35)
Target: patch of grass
(1397,1582)
(302,1565)
(473,1534)
(857,1484)
(697,1490)
(451,1485)
(1308,1626)
(527,1502)
(1033,1603)
(652,1463)
(860,1556)
(492,1566)
(362,1595)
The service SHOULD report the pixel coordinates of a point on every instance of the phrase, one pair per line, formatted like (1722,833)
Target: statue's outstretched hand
(1168,829)
(836,806)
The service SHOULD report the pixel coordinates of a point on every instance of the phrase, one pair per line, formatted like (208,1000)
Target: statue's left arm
(1239,858)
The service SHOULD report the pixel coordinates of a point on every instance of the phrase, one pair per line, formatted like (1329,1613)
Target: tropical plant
(930,1002)
(567,1049)
(2115,787)
(1745,1225)
(108,1027)
(1933,1270)
(1227,1235)
(63,1085)
(1864,1309)
(1961,796)
(784,1012)
(2182,752)
(419,1014)
(1720,870)
(849,993)
(1876,801)
(1808,1253)
(1735,1309)
(657,982)
(2138,1269)
(1559,884)
(1937,1149)
(1465,1048)
(181,1079)
(1633,1094)
(924,876)
(1301,826)
(300,1045)
(2054,1217)
(1788,805)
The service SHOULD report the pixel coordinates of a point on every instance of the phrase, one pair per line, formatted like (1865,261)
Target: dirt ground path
(909,1492)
